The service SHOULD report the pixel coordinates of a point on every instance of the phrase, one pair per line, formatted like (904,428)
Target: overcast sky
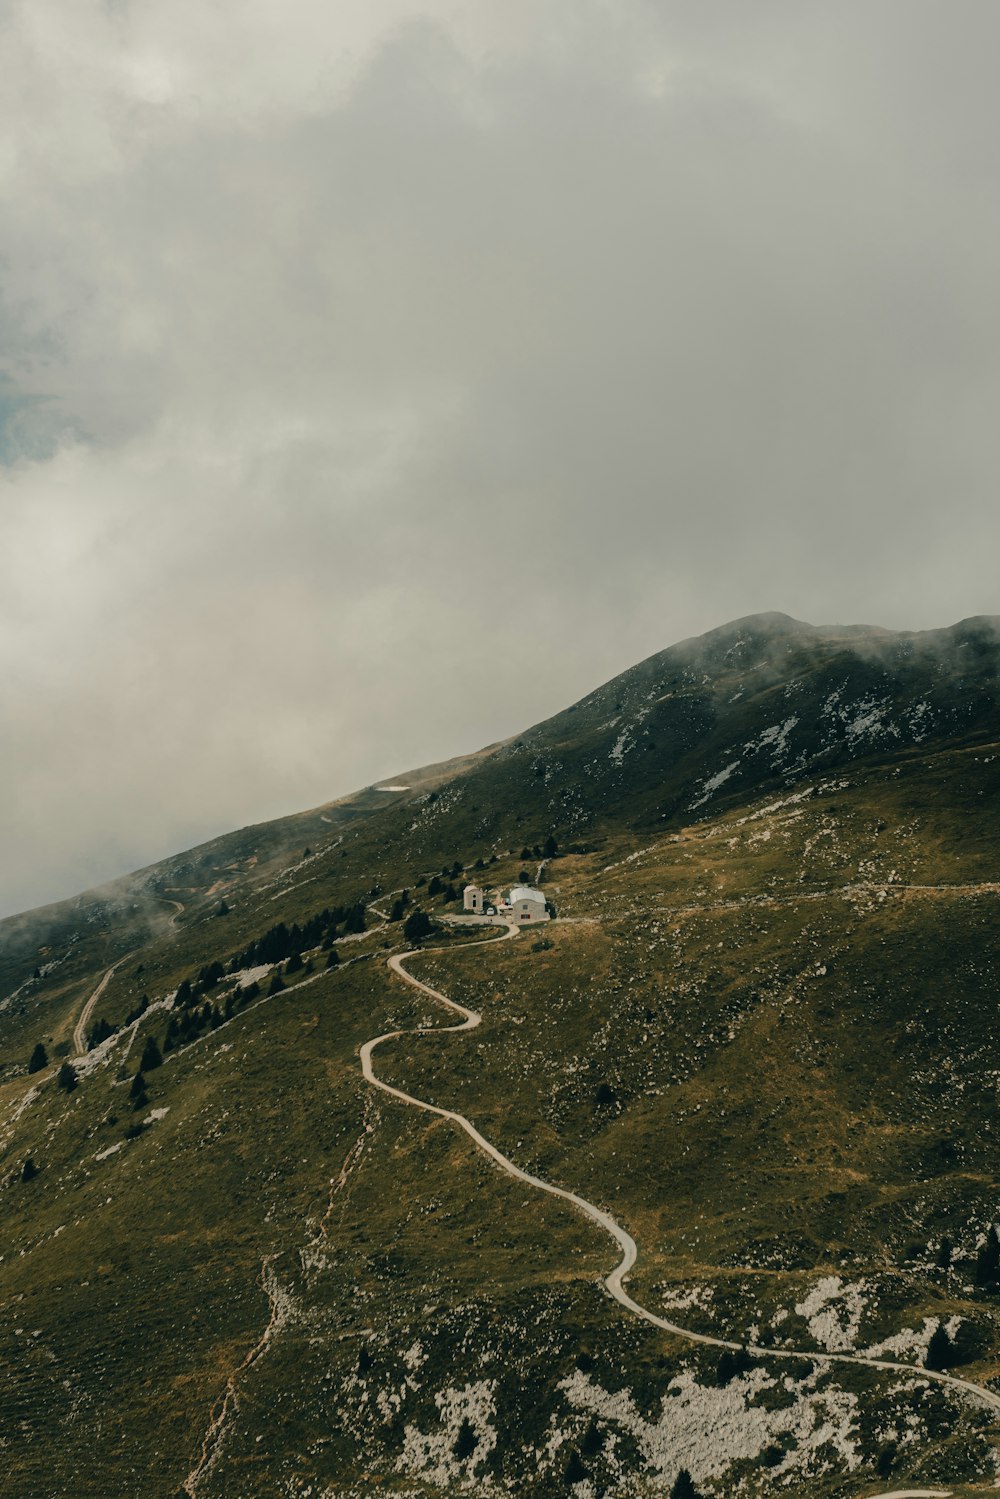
(378,377)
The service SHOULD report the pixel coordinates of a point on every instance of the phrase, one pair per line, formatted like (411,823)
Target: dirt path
(80,1031)
(615,1281)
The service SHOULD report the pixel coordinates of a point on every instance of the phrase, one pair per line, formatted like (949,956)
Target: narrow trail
(80,1029)
(614,1283)
(227,1403)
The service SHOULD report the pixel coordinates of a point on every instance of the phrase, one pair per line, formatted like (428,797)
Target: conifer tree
(332,958)
(939,1349)
(416,926)
(944,1254)
(466,1442)
(67,1078)
(683,1486)
(151,1055)
(575,1471)
(29,1170)
(988,1260)
(277,983)
(137,1093)
(593,1439)
(39,1059)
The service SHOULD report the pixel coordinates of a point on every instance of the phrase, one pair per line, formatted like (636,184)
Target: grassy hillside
(761,1033)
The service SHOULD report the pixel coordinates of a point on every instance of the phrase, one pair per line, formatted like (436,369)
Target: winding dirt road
(615,1281)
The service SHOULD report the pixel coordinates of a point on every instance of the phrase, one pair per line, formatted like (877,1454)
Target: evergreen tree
(731,1363)
(575,1471)
(67,1078)
(435,887)
(526,852)
(593,1439)
(294,963)
(416,926)
(151,1055)
(183,996)
(332,958)
(466,1442)
(683,1486)
(223,909)
(939,1349)
(29,1170)
(102,1030)
(277,983)
(988,1260)
(944,1254)
(396,910)
(39,1059)
(137,1092)
(551,847)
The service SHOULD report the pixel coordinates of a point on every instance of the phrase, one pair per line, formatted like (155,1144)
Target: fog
(377,379)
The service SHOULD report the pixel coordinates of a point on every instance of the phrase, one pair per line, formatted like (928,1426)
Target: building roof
(471,887)
(525,892)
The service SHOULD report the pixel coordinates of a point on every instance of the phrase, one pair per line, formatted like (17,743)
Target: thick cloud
(343,345)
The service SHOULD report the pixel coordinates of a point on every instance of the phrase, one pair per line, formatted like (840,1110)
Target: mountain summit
(698,1177)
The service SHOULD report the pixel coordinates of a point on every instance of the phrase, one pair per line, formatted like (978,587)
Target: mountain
(761,1035)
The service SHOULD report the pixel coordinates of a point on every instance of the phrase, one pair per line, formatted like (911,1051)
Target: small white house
(474,899)
(525,904)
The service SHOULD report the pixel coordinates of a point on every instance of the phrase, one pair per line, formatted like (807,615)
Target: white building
(474,899)
(524,904)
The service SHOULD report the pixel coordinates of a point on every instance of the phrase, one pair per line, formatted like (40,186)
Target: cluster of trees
(281,941)
(104,1028)
(438,887)
(547,850)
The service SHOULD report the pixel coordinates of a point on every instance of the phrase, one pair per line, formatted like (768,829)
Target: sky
(378,378)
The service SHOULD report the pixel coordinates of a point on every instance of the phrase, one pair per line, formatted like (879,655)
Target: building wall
(473,899)
(525,911)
